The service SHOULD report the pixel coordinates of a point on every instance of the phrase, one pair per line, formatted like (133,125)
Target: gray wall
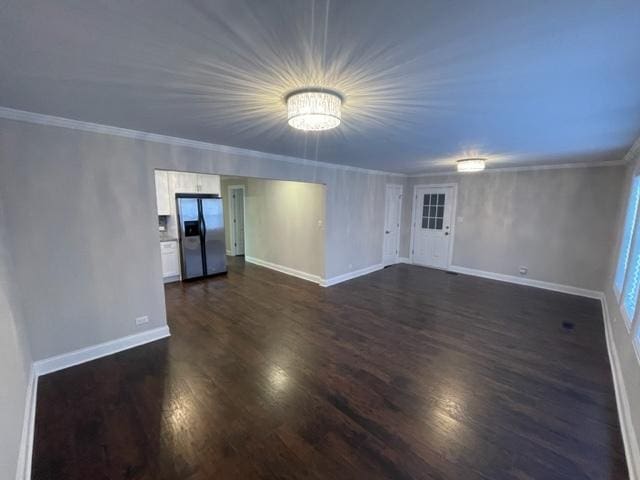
(83,225)
(557,222)
(621,336)
(282,224)
(15,363)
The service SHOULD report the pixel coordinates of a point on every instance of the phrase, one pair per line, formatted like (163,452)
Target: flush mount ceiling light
(314,110)
(471,165)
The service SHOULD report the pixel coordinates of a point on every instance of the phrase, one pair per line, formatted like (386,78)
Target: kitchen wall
(559,223)
(15,362)
(625,359)
(83,225)
(285,224)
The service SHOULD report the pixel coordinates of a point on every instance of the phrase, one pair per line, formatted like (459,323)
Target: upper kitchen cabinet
(183,182)
(208,184)
(162,192)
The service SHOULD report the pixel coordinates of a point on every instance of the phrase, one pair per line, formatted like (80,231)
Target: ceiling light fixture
(314,110)
(471,165)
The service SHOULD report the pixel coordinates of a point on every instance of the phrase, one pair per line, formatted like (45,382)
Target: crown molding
(559,166)
(633,153)
(50,120)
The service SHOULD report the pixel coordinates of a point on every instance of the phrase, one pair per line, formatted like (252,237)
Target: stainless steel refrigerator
(201,227)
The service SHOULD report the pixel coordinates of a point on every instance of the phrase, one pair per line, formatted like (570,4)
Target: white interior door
(237,220)
(392,210)
(432,227)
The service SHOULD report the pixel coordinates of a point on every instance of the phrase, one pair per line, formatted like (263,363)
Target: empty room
(319,239)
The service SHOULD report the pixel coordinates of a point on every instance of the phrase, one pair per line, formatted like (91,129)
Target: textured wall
(282,224)
(559,223)
(83,225)
(15,363)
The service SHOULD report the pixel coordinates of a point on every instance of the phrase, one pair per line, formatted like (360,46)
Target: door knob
(446,233)
(387,231)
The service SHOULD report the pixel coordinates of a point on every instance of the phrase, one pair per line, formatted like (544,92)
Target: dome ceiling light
(314,110)
(471,164)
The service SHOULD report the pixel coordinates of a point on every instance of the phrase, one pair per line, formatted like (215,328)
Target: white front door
(392,209)
(432,227)
(237,220)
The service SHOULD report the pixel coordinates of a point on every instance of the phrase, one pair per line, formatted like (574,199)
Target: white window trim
(635,336)
(629,322)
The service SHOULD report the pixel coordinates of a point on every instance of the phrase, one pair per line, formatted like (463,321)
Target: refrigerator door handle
(203,237)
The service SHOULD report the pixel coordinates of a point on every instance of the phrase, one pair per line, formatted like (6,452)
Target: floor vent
(568,325)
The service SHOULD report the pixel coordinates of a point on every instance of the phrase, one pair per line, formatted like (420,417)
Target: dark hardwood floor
(407,373)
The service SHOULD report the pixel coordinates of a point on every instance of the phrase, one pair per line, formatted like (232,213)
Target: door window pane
(433,211)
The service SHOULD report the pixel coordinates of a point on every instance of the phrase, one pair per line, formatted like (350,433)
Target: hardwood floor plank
(407,373)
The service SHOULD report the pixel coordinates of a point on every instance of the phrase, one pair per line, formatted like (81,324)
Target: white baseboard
(282,269)
(76,357)
(229,253)
(629,438)
(556,287)
(53,364)
(323,282)
(23,471)
(327,282)
(404,260)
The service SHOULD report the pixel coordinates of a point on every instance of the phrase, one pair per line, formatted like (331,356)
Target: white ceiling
(426,82)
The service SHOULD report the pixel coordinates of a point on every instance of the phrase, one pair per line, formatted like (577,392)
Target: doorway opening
(206,220)
(236,220)
(392,216)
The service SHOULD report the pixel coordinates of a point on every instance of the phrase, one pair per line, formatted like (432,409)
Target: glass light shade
(314,111)
(471,165)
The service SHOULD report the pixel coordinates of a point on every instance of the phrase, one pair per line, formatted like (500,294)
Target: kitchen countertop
(167,238)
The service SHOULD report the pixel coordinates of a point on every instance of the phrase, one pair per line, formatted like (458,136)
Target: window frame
(630,323)
(635,183)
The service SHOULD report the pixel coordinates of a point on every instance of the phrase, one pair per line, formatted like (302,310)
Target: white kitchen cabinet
(209,184)
(183,182)
(162,192)
(170,259)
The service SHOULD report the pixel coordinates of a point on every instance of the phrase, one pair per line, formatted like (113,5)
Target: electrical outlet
(523,270)
(142,320)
